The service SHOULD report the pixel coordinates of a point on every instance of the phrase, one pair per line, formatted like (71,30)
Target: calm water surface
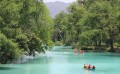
(64,61)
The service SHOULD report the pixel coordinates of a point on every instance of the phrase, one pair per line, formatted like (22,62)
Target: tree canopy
(25,26)
(91,23)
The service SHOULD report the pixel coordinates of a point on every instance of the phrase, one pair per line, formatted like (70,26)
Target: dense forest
(25,26)
(90,24)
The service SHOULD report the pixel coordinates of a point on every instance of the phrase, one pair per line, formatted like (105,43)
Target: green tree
(8,50)
(61,22)
(25,24)
(92,22)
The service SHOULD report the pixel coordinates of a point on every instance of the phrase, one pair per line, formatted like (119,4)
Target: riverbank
(91,49)
(117,50)
(25,58)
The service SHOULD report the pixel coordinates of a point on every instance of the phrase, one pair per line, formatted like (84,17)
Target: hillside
(56,7)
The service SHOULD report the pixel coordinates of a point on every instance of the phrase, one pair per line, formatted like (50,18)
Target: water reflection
(86,71)
(6,68)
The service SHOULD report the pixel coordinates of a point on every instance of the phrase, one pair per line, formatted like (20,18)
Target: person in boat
(75,50)
(93,67)
(81,51)
(89,66)
(86,66)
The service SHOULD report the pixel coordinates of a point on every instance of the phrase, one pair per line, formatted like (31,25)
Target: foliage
(22,40)
(91,22)
(35,44)
(8,49)
(26,25)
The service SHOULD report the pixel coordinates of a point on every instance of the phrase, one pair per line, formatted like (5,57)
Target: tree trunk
(95,43)
(100,44)
(111,45)
(111,42)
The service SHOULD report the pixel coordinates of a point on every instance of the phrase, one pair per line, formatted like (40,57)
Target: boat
(89,67)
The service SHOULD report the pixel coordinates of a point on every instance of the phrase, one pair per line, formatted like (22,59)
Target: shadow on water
(89,71)
(6,68)
(111,55)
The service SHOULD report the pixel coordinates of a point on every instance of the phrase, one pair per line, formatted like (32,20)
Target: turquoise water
(64,61)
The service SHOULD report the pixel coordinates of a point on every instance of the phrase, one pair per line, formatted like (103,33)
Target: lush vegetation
(25,26)
(90,23)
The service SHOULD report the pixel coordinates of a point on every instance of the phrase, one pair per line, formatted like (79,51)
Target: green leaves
(91,22)
(9,12)
(25,26)
(8,49)
(22,40)
(88,34)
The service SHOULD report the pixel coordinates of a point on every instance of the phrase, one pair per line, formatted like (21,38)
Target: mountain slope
(56,7)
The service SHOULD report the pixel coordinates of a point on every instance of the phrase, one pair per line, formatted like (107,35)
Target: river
(64,61)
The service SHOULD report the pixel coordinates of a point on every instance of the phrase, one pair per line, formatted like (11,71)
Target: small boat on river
(89,67)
